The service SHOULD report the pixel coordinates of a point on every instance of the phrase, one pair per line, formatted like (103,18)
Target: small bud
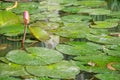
(26,17)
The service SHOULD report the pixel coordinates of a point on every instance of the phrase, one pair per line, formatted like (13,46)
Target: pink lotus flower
(26,17)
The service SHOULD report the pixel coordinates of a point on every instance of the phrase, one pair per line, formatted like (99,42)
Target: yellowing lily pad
(39,33)
(8,18)
(62,70)
(104,24)
(34,56)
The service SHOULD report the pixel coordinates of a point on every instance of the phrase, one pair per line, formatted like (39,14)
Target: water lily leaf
(45,25)
(99,11)
(103,39)
(73,30)
(32,7)
(116,66)
(92,3)
(12,30)
(71,9)
(79,48)
(63,70)
(115,14)
(39,33)
(109,76)
(75,18)
(104,24)
(100,60)
(62,1)
(93,69)
(12,70)
(8,18)
(8,78)
(34,56)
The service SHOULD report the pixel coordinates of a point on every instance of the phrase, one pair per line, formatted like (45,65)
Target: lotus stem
(26,22)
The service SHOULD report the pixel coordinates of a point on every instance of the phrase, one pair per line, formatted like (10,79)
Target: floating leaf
(92,3)
(12,30)
(8,78)
(73,30)
(99,11)
(34,56)
(79,48)
(45,25)
(12,70)
(63,70)
(103,39)
(100,60)
(104,24)
(75,18)
(8,18)
(39,33)
(108,76)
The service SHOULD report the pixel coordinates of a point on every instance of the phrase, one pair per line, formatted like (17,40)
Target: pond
(60,40)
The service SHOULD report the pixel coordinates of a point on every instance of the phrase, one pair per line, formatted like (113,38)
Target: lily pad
(93,69)
(99,11)
(34,56)
(62,70)
(45,25)
(79,48)
(8,78)
(73,30)
(104,24)
(12,70)
(75,18)
(103,39)
(39,33)
(99,60)
(8,18)
(12,30)
(109,76)
(92,3)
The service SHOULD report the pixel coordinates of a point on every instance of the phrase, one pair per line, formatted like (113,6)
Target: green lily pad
(104,24)
(109,76)
(75,18)
(93,69)
(100,60)
(34,56)
(92,3)
(32,7)
(115,14)
(12,30)
(103,39)
(116,66)
(71,9)
(99,11)
(73,30)
(39,33)
(8,78)
(62,70)
(8,18)
(45,25)
(12,70)
(79,48)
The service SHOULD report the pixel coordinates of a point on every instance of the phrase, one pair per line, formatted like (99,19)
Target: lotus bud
(26,17)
